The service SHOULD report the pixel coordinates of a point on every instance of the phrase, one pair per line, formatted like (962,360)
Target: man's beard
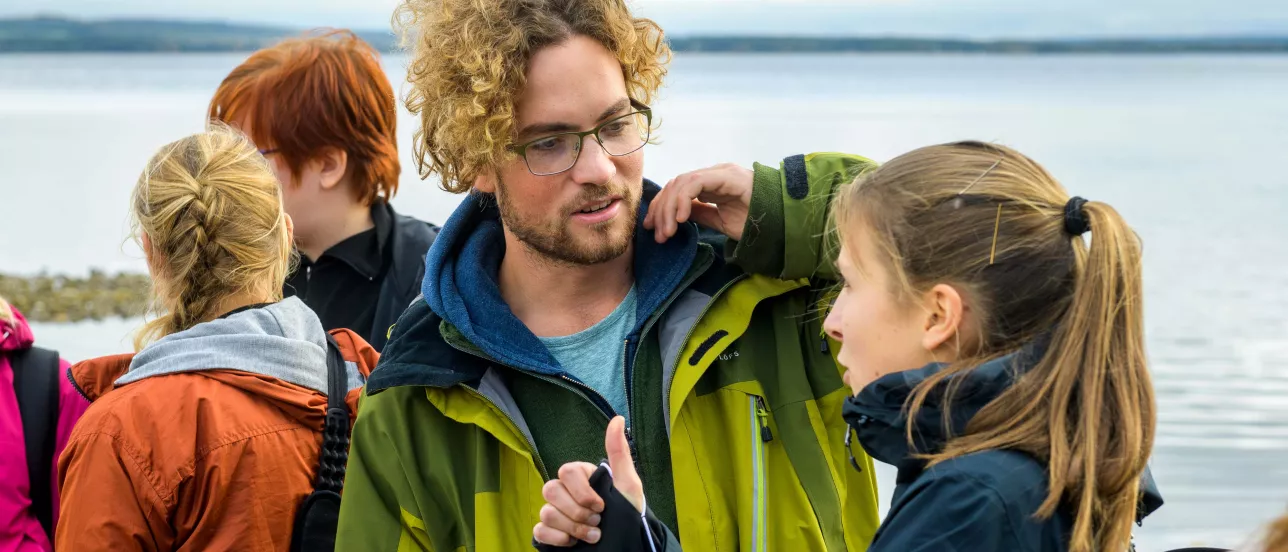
(555,241)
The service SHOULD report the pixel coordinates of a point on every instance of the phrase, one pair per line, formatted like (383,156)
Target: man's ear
(333,165)
(486,182)
(944,313)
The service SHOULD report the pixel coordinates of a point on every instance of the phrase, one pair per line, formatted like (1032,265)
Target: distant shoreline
(64,298)
(63,35)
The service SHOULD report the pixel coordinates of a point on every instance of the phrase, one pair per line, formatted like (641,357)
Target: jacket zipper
(630,438)
(629,362)
(532,447)
(77,386)
(762,416)
(759,436)
(562,381)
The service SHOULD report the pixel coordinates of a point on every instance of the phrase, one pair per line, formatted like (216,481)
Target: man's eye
(546,144)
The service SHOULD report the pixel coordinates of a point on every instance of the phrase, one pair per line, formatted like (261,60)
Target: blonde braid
(212,211)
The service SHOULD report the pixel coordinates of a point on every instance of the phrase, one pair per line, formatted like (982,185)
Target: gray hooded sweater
(284,340)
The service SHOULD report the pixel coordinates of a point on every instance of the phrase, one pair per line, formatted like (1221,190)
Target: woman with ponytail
(995,358)
(208,437)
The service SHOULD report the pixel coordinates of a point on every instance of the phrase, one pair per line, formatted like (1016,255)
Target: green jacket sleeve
(370,516)
(786,234)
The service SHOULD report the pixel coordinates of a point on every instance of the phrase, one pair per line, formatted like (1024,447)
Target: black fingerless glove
(621,527)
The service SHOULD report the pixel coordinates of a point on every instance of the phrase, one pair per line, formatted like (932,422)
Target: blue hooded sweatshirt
(980,502)
(461,284)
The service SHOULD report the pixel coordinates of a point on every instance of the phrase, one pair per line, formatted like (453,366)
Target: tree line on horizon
(58,34)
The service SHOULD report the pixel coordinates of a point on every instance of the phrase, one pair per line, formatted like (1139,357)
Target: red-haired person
(322,111)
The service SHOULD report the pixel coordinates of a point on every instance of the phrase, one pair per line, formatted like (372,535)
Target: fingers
(557,529)
(554,537)
(666,225)
(572,508)
(625,478)
(702,193)
(671,207)
(706,215)
(574,486)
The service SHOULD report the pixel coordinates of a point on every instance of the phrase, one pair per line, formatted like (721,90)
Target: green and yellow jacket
(734,395)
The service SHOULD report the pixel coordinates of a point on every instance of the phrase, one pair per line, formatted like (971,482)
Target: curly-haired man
(554,302)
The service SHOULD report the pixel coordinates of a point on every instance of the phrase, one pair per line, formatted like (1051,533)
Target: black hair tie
(1076,222)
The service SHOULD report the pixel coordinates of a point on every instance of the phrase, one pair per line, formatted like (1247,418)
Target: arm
(111,503)
(370,515)
(785,235)
(949,513)
(776,218)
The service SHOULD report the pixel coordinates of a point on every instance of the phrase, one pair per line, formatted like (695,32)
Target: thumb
(706,214)
(625,479)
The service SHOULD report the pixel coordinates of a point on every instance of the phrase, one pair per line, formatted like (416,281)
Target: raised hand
(718,197)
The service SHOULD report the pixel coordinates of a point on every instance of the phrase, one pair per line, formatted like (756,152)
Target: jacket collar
(878,415)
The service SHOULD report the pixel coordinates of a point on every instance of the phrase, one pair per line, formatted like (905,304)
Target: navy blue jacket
(981,502)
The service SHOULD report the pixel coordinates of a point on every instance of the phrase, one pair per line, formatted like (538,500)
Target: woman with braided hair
(206,438)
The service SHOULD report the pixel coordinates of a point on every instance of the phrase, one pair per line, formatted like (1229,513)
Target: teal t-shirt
(595,355)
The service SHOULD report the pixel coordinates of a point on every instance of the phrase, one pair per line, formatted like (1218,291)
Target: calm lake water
(1190,149)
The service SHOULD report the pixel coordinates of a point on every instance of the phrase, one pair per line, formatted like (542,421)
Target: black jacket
(981,502)
(409,241)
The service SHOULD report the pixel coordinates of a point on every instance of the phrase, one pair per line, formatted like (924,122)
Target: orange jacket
(199,460)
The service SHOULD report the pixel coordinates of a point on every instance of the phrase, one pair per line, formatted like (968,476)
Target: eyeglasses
(619,136)
(267,151)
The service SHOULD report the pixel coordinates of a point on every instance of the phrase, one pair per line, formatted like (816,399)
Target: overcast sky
(968,18)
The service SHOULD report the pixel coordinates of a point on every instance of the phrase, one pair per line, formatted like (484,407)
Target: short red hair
(313,92)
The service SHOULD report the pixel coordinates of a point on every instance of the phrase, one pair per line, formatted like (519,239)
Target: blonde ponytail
(993,223)
(211,210)
(1101,413)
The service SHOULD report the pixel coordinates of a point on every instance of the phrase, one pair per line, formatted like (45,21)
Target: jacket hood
(17,335)
(256,349)
(460,284)
(878,416)
(284,340)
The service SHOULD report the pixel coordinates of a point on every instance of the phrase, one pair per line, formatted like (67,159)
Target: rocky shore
(61,298)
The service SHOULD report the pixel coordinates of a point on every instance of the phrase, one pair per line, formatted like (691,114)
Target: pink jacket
(19,530)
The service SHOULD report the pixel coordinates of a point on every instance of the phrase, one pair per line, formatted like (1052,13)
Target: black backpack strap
(35,382)
(335,434)
(319,515)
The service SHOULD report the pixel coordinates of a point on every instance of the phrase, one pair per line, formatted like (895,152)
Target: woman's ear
(944,314)
(290,228)
(146,243)
(333,165)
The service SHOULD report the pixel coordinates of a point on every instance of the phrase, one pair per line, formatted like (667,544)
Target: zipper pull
(635,453)
(762,415)
(630,444)
(822,344)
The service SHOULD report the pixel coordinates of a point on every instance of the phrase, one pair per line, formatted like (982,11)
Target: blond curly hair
(467,65)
